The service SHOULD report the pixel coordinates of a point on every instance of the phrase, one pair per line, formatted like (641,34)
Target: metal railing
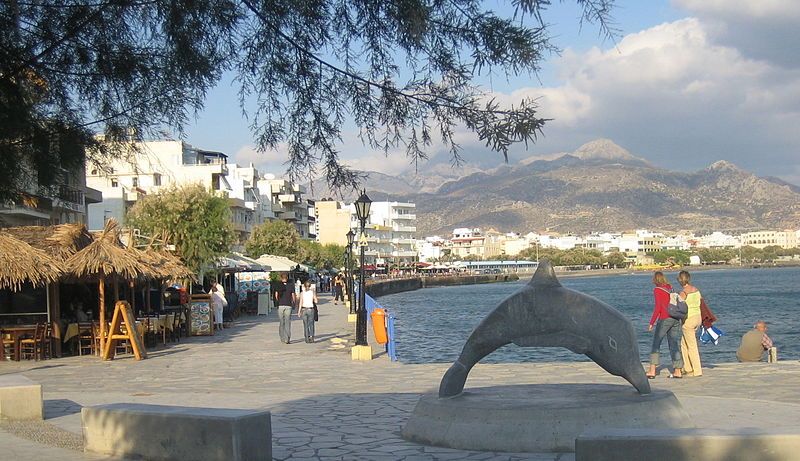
(391,346)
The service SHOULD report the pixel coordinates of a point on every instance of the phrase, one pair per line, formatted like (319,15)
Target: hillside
(600,186)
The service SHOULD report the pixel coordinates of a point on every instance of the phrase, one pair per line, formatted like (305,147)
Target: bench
(744,444)
(160,432)
(20,398)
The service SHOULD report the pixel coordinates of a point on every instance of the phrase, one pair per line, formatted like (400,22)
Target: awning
(277,263)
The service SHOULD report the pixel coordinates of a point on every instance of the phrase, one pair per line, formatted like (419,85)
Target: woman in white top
(218,303)
(305,310)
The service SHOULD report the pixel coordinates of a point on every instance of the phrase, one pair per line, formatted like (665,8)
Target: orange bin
(379,325)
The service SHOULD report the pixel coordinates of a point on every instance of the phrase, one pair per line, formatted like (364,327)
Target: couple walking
(304,299)
(681,335)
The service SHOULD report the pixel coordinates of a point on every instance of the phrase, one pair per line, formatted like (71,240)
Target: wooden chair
(7,346)
(96,335)
(86,340)
(29,348)
(176,327)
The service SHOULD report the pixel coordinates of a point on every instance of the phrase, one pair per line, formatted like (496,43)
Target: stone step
(746,444)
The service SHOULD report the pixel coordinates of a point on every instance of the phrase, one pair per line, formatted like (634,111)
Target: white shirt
(307,298)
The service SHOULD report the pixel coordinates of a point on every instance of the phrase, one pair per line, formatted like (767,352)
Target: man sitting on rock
(754,343)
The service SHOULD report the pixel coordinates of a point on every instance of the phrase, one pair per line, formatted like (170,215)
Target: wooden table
(17,332)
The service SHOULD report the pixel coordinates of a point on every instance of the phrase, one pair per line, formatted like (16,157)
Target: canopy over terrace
(20,263)
(107,257)
(277,263)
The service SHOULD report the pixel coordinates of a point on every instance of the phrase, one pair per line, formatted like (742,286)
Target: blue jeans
(671,328)
(308,322)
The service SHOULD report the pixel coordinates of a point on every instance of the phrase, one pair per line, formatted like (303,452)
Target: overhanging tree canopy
(401,70)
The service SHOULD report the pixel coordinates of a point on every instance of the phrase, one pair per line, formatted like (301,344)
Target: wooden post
(102,290)
(133,295)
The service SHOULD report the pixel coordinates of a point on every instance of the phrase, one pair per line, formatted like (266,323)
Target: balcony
(404,228)
(289,198)
(400,241)
(404,254)
(404,217)
(286,215)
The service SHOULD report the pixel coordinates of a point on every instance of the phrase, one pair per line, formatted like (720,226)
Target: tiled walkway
(326,406)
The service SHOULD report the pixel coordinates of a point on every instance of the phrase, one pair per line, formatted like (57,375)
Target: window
(135,182)
(156,179)
(114,182)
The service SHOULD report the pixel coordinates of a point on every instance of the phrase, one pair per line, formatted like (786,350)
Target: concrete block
(745,444)
(20,398)
(361,353)
(167,433)
(351,318)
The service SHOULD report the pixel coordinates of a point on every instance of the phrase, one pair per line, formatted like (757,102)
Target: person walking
(306,310)
(338,287)
(692,296)
(218,303)
(664,326)
(287,299)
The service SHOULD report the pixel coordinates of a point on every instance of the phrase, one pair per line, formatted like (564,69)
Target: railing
(69,194)
(391,346)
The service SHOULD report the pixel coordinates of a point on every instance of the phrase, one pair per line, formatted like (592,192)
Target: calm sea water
(433,324)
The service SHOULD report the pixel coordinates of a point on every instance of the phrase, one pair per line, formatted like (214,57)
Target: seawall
(376,288)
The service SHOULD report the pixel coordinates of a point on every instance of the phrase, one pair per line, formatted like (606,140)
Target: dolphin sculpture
(545,314)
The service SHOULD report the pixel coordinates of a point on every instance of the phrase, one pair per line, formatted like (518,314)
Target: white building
(718,240)
(65,203)
(155,165)
(392,227)
(763,239)
(289,204)
(430,249)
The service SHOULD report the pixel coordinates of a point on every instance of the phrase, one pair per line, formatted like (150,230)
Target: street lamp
(348,275)
(362,212)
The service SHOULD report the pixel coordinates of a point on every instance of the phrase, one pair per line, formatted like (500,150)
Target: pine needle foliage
(403,71)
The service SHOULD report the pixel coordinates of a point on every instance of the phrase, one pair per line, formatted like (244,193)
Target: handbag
(316,313)
(677,309)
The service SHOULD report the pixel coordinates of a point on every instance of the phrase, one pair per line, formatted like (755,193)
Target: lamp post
(348,279)
(362,211)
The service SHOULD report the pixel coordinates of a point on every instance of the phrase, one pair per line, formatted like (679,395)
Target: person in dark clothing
(286,301)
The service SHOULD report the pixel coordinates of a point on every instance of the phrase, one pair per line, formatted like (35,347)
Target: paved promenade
(325,406)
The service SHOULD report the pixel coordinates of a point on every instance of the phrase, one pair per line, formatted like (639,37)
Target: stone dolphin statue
(546,314)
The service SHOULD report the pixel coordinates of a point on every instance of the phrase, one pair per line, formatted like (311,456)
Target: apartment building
(763,239)
(391,232)
(155,165)
(332,221)
(64,203)
(288,203)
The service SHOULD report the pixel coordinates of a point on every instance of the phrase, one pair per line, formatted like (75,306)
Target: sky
(686,83)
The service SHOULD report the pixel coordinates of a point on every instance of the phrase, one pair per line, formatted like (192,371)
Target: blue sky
(688,82)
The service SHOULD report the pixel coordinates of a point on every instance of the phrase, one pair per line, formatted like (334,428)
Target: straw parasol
(20,263)
(60,241)
(105,257)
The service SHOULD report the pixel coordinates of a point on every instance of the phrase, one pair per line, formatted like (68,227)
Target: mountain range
(598,187)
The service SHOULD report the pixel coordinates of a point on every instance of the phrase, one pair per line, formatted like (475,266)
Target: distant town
(100,192)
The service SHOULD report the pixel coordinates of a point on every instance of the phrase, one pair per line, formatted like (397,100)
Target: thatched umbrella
(20,263)
(60,241)
(105,257)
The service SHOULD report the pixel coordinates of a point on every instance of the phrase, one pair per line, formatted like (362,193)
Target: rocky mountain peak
(604,149)
(723,165)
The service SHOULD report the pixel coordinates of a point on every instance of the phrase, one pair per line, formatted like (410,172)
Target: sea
(432,324)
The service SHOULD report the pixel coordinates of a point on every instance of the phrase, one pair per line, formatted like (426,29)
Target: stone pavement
(325,406)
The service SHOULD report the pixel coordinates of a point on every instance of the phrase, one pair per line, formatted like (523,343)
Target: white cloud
(762,29)
(677,97)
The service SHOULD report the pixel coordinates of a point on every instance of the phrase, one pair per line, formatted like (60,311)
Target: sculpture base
(537,418)
(361,353)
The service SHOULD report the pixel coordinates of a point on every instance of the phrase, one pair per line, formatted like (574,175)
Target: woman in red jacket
(665,326)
